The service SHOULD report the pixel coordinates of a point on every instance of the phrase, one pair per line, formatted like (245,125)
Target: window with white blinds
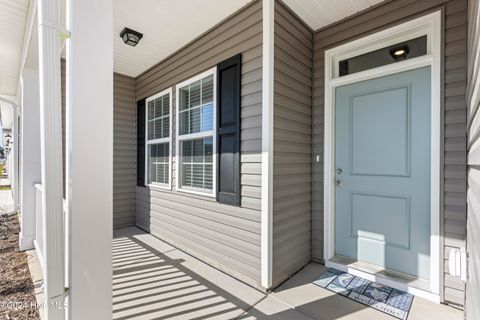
(196,129)
(158,139)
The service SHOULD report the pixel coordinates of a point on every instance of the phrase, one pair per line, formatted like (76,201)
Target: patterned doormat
(391,301)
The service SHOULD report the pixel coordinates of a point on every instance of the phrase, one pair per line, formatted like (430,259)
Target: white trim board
(268,58)
(429,25)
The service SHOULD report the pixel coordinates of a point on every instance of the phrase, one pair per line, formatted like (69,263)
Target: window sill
(159,186)
(199,193)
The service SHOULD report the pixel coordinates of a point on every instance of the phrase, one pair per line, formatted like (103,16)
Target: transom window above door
(158,139)
(196,126)
(390,54)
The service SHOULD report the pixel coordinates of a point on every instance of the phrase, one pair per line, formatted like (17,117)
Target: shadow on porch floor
(153,280)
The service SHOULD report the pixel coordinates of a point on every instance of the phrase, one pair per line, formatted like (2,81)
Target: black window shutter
(141,143)
(228,130)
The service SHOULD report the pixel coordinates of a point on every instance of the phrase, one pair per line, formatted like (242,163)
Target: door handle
(339,183)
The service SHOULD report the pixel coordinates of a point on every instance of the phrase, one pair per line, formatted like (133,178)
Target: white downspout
(51,157)
(268,10)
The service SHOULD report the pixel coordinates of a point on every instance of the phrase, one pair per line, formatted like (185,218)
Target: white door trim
(429,25)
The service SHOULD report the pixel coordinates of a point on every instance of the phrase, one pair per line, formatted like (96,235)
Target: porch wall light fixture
(400,53)
(130,37)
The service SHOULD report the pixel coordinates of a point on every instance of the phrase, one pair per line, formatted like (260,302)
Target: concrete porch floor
(153,280)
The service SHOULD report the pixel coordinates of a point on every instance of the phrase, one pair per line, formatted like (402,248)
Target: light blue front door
(382,163)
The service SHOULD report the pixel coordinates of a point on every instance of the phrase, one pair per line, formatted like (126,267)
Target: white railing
(39,223)
(39,239)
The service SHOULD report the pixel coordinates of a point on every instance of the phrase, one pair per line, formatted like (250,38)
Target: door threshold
(417,286)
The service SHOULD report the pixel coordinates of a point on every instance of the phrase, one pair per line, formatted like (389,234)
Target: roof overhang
(167,26)
(321,13)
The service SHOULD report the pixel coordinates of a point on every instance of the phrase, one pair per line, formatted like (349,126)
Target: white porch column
(30,163)
(90,157)
(51,156)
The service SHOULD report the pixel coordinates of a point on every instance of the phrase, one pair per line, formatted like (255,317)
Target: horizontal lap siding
(455,141)
(292,170)
(473,221)
(124,151)
(454,116)
(225,236)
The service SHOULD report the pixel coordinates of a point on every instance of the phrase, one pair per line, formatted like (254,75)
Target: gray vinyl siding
(473,222)
(124,150)
(227,237)
(453,184)
(124,142)
(292,169)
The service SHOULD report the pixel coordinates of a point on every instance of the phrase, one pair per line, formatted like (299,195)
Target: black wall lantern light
(400,53)
(130,37)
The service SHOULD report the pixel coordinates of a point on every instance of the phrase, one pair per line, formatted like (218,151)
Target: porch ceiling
(166,26)
(169,25)
(12,28)
(320,13)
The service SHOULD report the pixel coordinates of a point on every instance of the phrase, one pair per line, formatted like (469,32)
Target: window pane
(184,122)
(209,150)
(166,105)
(196,163)
(195,120)
(207,117)
(150,130)
(195,94)
(187,147)
(158,128)
(158,163)
(158,125)
(151,112)
(208,176)
(409,49)
(187,175)
(184,95)
(161,128)
(207,90)
(196,106)
(158,107)
(165,127)
(197,176)
(198,150)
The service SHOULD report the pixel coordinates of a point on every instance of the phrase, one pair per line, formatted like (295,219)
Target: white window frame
(212,133)
(168,140)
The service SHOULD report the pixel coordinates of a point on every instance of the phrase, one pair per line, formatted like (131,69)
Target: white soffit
(12,28)
(320,13)
(166,26)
